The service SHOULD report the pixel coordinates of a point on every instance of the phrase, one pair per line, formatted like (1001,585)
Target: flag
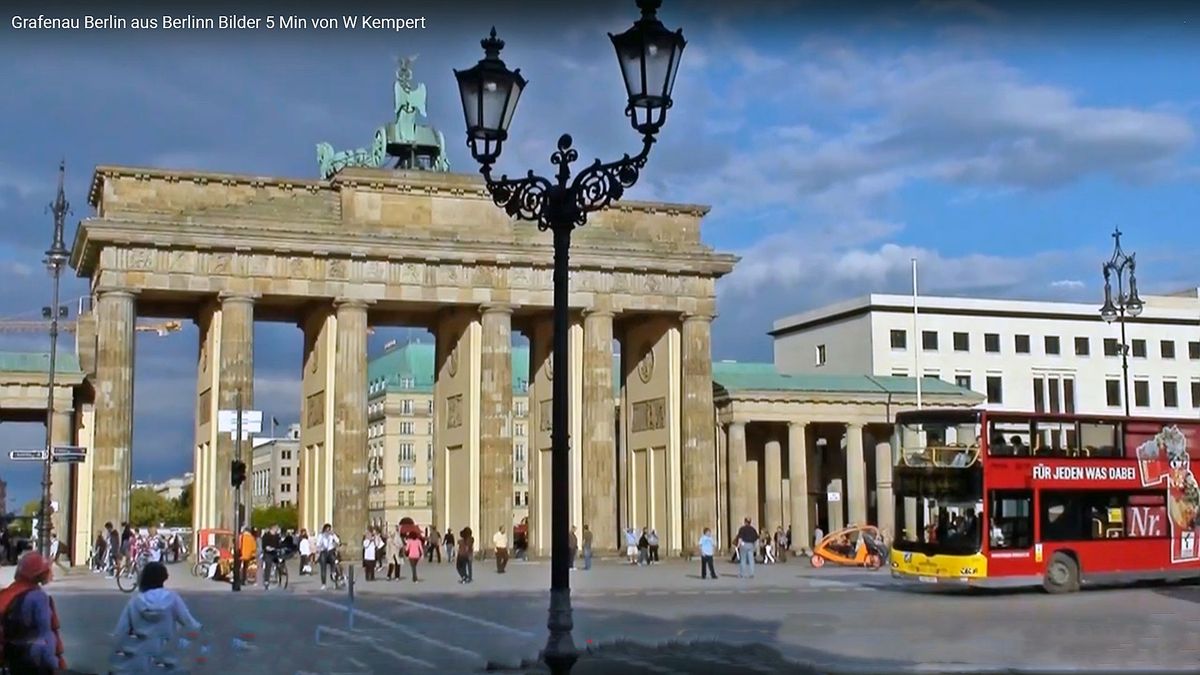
(274,421)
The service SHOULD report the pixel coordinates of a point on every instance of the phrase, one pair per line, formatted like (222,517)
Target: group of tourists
(115,547)
(146,631)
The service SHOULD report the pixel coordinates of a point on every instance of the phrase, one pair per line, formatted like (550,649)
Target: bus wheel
(1062,574)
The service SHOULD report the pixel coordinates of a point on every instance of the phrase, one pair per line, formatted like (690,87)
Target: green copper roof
(38,362)
(734,376)
(410,368)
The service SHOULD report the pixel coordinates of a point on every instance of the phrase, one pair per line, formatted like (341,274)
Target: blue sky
(997,143)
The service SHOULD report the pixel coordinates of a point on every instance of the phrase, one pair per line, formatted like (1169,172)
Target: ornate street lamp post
(649,58)
(56,259)
(1126,303)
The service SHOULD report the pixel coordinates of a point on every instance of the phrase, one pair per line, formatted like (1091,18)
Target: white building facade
(275,470)
(1029,356)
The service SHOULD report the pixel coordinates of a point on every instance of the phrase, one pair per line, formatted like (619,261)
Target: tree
(147,507)
(285,517)
(181,509)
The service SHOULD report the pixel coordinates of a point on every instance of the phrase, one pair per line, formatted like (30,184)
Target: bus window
(1009,438)
(1055,439)
(1098,439)
(1010,515)
(1083,515)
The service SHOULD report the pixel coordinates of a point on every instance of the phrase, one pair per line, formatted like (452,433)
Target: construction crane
(162,328)
(83,306)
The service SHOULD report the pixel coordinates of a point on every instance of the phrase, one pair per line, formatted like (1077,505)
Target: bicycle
(278,574)
(129,574)
(337,573)
(208,556)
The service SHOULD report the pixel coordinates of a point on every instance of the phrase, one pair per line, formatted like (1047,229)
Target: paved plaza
(836,620)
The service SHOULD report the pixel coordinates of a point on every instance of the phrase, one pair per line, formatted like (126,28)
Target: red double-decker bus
(1022,499)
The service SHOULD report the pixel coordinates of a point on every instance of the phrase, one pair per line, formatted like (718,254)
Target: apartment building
(400,428)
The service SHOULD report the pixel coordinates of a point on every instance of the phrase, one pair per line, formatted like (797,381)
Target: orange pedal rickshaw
(855,546)
(213,546)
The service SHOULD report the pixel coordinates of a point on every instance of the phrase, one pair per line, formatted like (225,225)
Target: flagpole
(916,334)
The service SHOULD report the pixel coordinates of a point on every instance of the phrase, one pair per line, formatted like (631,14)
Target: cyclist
(272,546)
(327,545)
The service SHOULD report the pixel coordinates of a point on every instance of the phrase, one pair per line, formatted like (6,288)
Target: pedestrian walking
(398,551)
(631,545)
(415,549)
(466,550)
(643,548)
(572,547)
(32,643)
(781,544)
(327,546)
(768,550)
(818,535)
(56,551)
(434,547)
(448,544)
(708,548)
(652,540)
(146,630)
(306,551)
(500,542)
(370,550)
(249,551)
(747,538)
(587,548)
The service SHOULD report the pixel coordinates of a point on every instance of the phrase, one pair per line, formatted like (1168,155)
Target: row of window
(1022,343)
(1141,393)
(1057,394)
(409,498)
(1075,516)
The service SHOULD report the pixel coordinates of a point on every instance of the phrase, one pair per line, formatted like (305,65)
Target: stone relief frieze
(410,273)
(518,277)
(314,409)
(299,267)
(260,265)
(140,259)
(648,415)
(338,269)
(220,263)
(182,261)
(375,270)
(454,411)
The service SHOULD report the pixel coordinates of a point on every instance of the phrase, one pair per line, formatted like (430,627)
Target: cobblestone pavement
(658,619)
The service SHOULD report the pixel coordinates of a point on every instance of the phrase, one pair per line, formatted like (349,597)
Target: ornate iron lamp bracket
(566,203)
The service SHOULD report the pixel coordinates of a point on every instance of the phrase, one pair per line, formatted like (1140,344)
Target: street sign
(251,421)
(27,455)
(69,453)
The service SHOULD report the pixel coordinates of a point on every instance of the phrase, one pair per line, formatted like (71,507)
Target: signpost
(27,455)
(240,424)
(69,453)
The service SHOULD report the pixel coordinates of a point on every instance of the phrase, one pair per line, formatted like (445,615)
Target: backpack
(11,629)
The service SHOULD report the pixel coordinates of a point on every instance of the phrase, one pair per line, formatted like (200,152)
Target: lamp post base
(560,653)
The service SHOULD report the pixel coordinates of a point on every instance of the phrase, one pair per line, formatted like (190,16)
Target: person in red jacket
(31,639)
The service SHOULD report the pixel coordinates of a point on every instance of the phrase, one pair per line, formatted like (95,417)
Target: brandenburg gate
(368,246)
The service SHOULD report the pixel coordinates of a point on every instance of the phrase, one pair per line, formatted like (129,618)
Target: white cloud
(1073,284)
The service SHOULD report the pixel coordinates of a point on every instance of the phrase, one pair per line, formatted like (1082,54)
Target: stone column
(111,462)
(60,476)
(856,475)
(699,461)
(495,429)
(599,445)
(739,506)
(350,426)
(798,484)
(236,374)
(773,483)
(885,500)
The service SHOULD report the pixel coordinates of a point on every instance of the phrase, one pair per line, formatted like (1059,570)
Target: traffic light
(237,473)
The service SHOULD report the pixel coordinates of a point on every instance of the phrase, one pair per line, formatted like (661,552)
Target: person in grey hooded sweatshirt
(146,631)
